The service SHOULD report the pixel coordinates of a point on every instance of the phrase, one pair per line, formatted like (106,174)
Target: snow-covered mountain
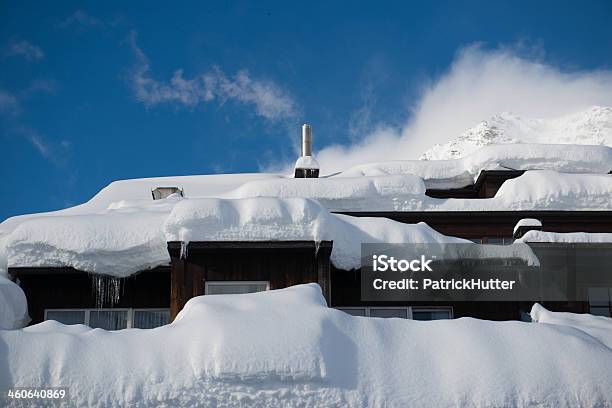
(592,127)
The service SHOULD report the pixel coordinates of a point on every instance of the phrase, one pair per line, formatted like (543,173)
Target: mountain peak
(592,126)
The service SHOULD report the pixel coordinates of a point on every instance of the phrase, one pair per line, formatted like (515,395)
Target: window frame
(130,313)
(450,310)
(409,310)
(208,283)
(503,240)
(598,304)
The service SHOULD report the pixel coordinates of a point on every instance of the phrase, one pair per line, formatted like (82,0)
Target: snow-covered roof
(122,225)
(287,348)
(123,241)
(567,237)
(526,222)
(522,156)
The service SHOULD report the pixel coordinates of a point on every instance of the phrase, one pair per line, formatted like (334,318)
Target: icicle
(317,246)
(183,254)
(106,290)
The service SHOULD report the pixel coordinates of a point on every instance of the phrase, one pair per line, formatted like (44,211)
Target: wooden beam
(322,260)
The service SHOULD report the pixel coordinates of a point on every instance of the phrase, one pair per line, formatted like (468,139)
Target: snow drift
(13,305)
(286,348)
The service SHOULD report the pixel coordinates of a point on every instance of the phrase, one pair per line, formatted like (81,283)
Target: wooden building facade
(200,268)
(276,264)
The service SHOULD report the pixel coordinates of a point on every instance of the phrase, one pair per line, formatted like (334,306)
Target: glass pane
(495,241)
(354,312)
(67,316)
(431,314)
(108,319)
(599,296)
(403,313)
(148,319)
(601,311)
(235,288)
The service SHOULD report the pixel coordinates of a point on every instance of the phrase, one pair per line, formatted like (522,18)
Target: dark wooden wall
(347,293)
(59,288)
(283,264)
(478,224)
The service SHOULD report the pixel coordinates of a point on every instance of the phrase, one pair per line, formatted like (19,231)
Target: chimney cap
(306,162)
(160,193)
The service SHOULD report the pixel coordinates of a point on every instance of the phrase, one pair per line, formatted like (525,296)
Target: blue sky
(92,92)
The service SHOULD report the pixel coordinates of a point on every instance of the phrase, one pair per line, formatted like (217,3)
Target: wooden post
(178,268)
(323,269)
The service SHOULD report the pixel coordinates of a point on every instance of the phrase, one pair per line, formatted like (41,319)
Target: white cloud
(56,152)
(80,19)
(9,104)
(25,49)
(269,100)
(480,83)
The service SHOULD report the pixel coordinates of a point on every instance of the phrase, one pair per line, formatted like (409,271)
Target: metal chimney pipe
(306,140)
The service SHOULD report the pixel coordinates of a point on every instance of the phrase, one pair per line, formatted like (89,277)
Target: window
(438,313)
(416,313)
(111,319)
(354,311)
(108,319)
(600,301)
(235,287)
(150,318)
(500,240)
(389,312)
(66,316)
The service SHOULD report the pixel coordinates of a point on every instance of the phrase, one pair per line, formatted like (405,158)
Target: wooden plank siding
(59,288)
(282,263)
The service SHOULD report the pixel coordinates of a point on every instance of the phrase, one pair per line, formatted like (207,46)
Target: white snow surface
(13,305)
(131,235)
(292,219)
(590,127)
(285,348)
(526,222)
(306,162)
(567,237)
(121,230)
(459,172)
(535,190)
(129,239)
(599,327)
(353,194)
